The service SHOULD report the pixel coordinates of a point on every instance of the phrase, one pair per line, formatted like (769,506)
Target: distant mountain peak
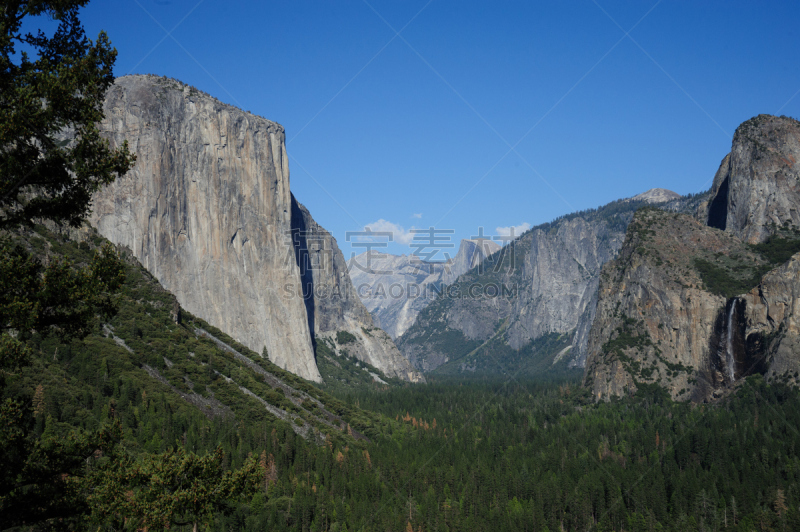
(471,252)
(656,195)
(395,288)
(467,247)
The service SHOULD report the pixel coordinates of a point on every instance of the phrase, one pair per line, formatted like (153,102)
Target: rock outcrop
(771,324)
(655,318)
(695,305)
(395,288)
(208,211)
(656,195)
(332,304)
(757,187)
(471,252)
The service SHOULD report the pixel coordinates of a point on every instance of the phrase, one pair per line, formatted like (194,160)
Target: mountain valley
(548,280)
(184,347)
(397,288)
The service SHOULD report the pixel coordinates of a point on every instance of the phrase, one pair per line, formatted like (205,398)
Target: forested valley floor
(478,454)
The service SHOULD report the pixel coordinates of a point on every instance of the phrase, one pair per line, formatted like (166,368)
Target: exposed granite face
(580,341)
(660,318)
(396,288)
(331,301)
(551,281)
(655,320)
(771,324)
(559,278)
(757,185)
(659,322)
(324,273)
(550,276)
(207,210)
(471,252)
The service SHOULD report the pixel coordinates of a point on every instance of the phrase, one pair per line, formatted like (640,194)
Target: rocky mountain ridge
(395,288)
(336,314)
(546,283)
(208,211)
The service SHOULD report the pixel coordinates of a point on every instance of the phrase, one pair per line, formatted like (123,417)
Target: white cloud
(399,233)
(417,215)
(518,229)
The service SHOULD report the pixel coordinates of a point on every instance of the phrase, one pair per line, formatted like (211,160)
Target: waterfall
(730,361)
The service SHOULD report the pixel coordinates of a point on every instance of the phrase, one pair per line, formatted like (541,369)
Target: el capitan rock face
(208,211)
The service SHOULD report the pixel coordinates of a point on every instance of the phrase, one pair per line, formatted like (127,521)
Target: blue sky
(478,114)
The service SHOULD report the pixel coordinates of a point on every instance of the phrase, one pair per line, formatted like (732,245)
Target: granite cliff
(208,211)
(395,288)
(696,304)
(332,304)
(756,188)
(534,300)
(655,317)
(769,323)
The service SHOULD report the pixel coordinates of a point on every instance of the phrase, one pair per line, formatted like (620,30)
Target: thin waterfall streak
(730,361)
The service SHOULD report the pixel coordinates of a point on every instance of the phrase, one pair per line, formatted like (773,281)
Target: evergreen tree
(52,159)
(174,488)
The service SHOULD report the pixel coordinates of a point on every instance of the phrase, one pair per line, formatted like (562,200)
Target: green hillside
(171,381)
(143,350)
